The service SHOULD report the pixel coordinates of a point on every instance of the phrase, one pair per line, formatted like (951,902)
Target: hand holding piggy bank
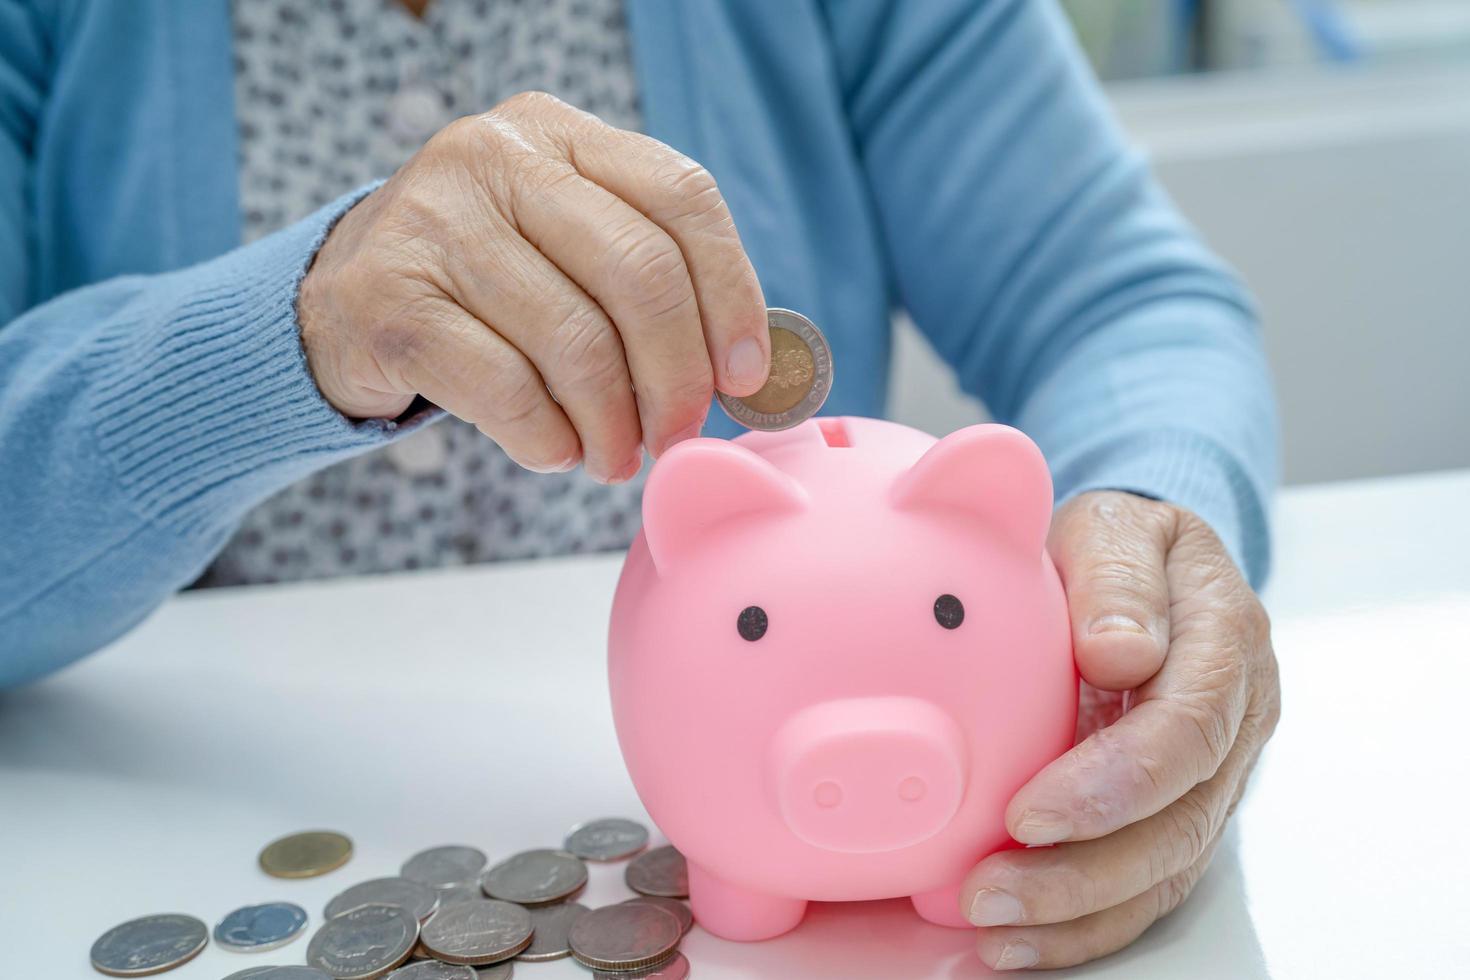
(836,652)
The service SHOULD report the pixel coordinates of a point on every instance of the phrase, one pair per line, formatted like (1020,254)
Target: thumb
(1109,548)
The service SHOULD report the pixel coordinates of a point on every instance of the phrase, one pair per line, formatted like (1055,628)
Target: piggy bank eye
(949,612)
(752,623)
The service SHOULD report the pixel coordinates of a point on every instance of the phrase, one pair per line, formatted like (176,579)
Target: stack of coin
(446,911)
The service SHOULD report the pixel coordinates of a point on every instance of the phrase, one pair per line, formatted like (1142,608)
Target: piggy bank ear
(702,483)
(993,472)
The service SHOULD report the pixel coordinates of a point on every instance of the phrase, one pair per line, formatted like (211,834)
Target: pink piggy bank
(836,652)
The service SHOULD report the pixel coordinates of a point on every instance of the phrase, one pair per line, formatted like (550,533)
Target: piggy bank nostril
(912,789)
(827,794)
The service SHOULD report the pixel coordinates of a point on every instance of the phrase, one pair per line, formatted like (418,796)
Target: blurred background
(1322,147)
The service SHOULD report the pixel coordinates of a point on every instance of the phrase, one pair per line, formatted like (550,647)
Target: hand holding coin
(800,378)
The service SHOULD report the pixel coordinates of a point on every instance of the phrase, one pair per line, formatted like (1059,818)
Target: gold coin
(792,372)
(800,378)
(306,855)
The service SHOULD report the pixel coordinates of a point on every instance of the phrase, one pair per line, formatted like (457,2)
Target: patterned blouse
(330,96)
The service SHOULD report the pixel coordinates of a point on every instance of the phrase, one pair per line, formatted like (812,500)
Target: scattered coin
(478,933)
(496,971)
(306,855)
(609,839)
(421,900)
(680,910)
(630,936)
(453,864)
(661,872)
(535,877)
(149,945)
(800,379)
(365,943)
(433,970)
(257,928)
(675,968)
(454,894)
(552,925)
(279,973)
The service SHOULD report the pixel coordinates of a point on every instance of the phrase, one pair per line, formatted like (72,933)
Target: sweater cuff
(1189,470)
(204,401)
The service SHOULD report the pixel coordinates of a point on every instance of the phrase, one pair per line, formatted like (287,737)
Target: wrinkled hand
(574,290)
(1159,611)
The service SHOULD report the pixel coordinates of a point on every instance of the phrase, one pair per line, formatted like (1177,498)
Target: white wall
(1344,200)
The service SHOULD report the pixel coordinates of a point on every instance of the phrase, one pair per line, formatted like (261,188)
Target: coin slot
(834,433)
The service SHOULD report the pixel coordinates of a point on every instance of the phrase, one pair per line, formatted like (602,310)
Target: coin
(630,936)
(478,933)
(365,943)
(306,855)
(464,892)
(279,973)
(419,899)
(149,945)
(800,378)
(608,839)
(675,967)
(552,925)
(452,864)
(257,928)
(535,877)
(661,872)
(497,971)
(433,970)
(680,910)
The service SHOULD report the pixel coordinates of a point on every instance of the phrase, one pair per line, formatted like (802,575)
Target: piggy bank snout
(869,774)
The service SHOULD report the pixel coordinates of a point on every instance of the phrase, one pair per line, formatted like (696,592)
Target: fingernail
(1043,827)
(993,907)
(691,432)
(746,364)
(1114,623)
(628,470)
(1016,955)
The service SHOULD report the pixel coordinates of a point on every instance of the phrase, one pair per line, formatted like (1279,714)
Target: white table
(471,707)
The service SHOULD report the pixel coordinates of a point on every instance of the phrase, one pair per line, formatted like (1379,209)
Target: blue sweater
(952,157)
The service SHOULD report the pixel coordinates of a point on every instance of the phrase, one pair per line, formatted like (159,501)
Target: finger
(1109,548)
(571,341)
(1176,735)
(464,367)
(637,274)
(682,198)
(1049,947)
(1032,886)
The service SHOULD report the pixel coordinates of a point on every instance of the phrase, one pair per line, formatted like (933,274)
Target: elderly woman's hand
(1160,611)
(576,291)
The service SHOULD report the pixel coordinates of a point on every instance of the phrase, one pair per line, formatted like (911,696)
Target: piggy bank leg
(941,907)
(732,912)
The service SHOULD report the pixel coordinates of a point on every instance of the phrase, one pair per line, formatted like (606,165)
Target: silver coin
(433,970)
(608,839)
(365,943)
(680,910)
(675,967)
(257,928)
(452,864)
(630,936)
(800,379)
(149,945)
(465,892)
(535,877)
(661,872)
(478,933)
(496,971)
(279,973)
(552,925)
(421,900)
